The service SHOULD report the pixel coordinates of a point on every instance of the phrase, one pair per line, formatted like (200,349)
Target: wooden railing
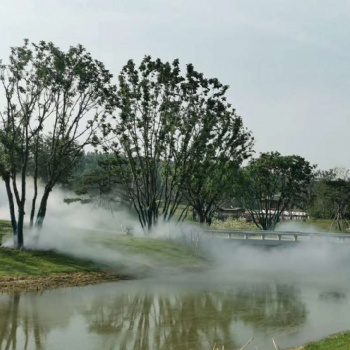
(289,236)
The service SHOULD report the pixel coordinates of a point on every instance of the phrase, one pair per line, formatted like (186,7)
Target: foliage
(331,196)
(233,224)
(54,102)
(170,134)
(96,177)
(208,184)
(272,184)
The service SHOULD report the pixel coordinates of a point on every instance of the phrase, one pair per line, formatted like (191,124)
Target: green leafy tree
(95,180)
(23,88)
(82,98)
(51,95)
(272,184)
(169,126)
(331,197)
(209,184)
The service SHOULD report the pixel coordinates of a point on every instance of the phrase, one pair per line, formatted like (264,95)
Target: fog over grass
(70,228)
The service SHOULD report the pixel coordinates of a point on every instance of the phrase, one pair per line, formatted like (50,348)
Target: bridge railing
(277,235)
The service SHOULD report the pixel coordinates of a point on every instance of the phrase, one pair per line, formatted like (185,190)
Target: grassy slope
(5,227)
(161,252)
(35,263)
(339,341)
(38,270)
(31,263)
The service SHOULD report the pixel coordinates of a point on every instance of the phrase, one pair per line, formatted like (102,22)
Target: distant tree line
(166,143)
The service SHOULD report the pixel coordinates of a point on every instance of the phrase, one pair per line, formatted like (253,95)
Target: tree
(338,193)
(96,176)
(54,97)
(168,126)
(209,184)
(331,196)
(23,89)
(272,184)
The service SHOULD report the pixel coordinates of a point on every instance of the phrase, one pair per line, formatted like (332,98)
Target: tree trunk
(42,208)
(21,214)
(149,219)
(202,218)
(12,207)
(32,212)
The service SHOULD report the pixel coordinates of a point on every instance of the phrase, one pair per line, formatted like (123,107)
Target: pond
(293,295)
(193,311)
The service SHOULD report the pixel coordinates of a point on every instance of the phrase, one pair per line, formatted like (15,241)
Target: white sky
(286,61)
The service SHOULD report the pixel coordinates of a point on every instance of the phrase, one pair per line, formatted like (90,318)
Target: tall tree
(96,180)
(82,98)
(168,124)
(21,123)
(331,197)
(209,184)
(272,184)
(55,96)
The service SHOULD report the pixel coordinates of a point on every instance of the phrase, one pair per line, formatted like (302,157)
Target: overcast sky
(286,61)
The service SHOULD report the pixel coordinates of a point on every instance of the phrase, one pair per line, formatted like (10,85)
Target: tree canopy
(54,99)
(170,133)
(272,184)
(331,197)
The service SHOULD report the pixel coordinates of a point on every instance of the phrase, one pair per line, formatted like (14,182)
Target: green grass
(323,224)
(340,341)
(37,263)
(158,251)
(5,227)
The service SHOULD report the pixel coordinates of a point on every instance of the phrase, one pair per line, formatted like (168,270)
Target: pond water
(293,295)
(194,311)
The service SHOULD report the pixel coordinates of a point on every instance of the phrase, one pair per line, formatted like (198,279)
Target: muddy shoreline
(24,284)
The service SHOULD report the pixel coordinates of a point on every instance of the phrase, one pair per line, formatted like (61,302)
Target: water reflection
(26,325)
(266,306)
(192,320)
(141,315)
(9,324)
(333,296)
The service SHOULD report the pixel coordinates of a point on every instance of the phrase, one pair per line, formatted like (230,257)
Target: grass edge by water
(337,341)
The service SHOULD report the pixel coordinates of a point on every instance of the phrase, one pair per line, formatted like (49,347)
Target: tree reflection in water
(26,320)
(8,323)
(192,320)
(14,321)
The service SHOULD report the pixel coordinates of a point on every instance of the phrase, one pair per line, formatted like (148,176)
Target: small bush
(233,224)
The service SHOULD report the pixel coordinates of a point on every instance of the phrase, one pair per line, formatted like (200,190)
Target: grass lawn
(5,226)
(323,224)
(161,252)
(34,270)
(38,263)
(23,271)
(340,341)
